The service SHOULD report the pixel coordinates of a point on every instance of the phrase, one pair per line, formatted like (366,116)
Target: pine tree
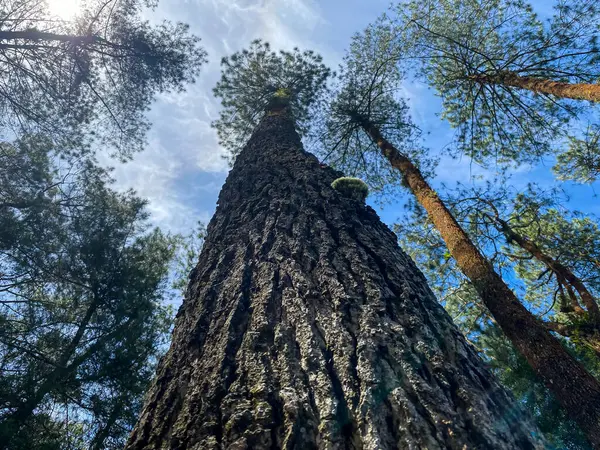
(511,83)
(548,247)
(570,238)
(92,78)
(82,319)
(306,326)
(364,105)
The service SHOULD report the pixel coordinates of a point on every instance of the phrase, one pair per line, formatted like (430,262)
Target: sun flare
(65,9)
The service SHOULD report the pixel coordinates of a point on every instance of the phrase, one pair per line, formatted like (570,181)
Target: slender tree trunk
(103,434)
(33,38)
(305,326)
(587,332)
(576,390)
(575,91)
(35,35)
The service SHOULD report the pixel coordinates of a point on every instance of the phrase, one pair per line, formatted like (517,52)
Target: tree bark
(305,326)
(575,91)
(576,390)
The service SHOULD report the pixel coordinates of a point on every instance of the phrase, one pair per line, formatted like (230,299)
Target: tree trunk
(98,443)
(305,326)
(575,91)
(576,390)
(35,35)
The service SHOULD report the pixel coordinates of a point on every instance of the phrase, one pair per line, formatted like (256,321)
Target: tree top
(256,79)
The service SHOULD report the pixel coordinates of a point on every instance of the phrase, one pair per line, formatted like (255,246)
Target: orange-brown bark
(575,91)
(577,391)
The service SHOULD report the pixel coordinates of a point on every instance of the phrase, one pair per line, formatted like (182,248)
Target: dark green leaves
(251,78)
(82,285)
(93,79)
(581,159)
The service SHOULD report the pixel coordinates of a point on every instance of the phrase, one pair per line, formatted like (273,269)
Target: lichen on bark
(306,326)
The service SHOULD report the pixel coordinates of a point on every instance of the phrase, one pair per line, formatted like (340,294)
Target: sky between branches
(181,171)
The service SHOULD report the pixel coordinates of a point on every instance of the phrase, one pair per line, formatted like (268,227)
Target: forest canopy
(471,126)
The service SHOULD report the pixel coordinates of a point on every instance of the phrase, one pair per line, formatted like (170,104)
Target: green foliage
(82,285)
(253,77)
(568,237)
(351,187)
(46,433)
(186,257)
(571,238)
(420,239)
(366,92)
(468,49)
(516,374)
(581,161)
(91,79)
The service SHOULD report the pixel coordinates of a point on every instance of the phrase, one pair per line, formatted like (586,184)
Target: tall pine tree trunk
(576,390)
(575,91)
(305,326)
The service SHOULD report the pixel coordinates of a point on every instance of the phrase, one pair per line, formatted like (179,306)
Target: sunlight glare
(65,9)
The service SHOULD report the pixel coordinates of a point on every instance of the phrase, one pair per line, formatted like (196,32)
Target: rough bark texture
(575,91)
(305,326)
(576,390)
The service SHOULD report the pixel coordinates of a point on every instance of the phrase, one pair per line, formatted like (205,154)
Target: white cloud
(182,144)
(151,173)
(183,151)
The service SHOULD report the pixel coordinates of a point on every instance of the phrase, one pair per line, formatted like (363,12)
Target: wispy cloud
(182,169)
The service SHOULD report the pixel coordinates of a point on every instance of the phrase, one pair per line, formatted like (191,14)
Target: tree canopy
(91,79)
(83,281)
(568,236)
(249,80)
(366,91)
(366,117)
(503,74)
(84,277)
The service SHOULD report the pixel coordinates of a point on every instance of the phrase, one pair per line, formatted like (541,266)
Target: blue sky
(182,170)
